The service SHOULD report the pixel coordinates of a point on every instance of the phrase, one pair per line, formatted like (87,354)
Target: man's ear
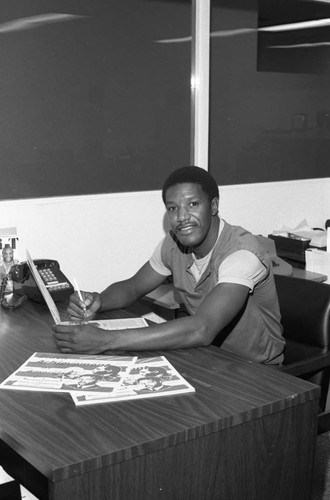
(215,206)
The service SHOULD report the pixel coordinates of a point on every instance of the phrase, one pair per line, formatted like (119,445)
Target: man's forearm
(87,338)
(176,334)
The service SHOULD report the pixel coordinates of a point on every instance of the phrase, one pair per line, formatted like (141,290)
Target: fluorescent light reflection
(194,82)
(302,25)
(26,23)
(300,45)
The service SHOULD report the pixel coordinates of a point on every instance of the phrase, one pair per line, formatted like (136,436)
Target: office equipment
(52,277)
(319,238)
(281,266)
(290,247)
(303,231)
(241,418)
(305,310)
(43,285)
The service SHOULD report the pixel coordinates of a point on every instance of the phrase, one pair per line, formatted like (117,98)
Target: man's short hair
(194,175)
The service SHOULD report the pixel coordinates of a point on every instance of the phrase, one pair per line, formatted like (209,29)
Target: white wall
(103,238)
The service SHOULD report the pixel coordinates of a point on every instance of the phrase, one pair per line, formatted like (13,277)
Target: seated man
(221,273)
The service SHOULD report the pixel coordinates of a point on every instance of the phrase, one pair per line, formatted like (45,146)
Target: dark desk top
(308,275)
(61,440)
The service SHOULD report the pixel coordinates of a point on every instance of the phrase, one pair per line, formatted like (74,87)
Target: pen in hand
(79,295)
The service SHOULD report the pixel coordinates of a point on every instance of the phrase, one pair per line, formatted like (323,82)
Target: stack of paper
(317,237)
(94,379)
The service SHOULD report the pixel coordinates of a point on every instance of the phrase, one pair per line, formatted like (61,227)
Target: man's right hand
(84,309)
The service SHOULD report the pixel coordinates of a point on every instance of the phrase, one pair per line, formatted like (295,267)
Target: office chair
(305,310)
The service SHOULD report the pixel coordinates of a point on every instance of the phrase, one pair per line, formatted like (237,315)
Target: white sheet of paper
(43,289)
(107,324)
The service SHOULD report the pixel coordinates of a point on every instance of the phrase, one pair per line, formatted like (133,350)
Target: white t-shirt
(241,267)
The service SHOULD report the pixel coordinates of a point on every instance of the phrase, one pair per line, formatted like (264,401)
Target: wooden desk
(308,275)
(248,433)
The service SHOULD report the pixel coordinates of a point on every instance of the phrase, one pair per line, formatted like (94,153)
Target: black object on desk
(290,248)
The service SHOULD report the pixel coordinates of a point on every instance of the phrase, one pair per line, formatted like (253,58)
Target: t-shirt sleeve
(156,260)
(243,268)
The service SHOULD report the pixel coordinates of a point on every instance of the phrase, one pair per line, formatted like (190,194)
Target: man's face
(190,213)
(8,255)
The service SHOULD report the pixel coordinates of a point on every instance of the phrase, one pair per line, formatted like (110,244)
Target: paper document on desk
(43,289)
(146,378)
(112,324)
(92,379)
(51,372)
(318,237)
(106,324)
